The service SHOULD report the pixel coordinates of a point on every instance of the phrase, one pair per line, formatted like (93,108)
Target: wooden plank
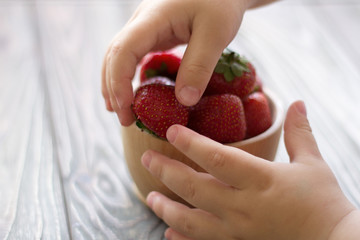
(31,197)
(98,190)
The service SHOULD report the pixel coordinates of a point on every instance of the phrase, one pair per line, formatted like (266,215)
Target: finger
(202,54)
(126,52)
(299,140)
(197,66)
(192,223)
(127,48)
(228,164)
(121,104)
(104,88)
(112,100)
(125,114)
(174,235)
(199,189)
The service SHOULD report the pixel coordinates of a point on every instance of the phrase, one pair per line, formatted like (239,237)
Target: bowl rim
(277,116)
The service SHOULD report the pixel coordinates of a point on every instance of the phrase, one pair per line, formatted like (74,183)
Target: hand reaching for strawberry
(207,26)
(244,197)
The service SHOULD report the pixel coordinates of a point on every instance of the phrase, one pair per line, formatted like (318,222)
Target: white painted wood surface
(62,174)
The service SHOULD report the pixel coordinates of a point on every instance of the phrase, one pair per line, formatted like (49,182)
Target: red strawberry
(257,114)
(160,64)
(156,109)
(219,117)
(233,74)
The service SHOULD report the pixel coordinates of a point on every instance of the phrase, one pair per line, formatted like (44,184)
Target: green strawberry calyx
(151,72)
(231,65)
(144,128)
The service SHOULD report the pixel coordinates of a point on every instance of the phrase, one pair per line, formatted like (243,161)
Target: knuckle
(263,184)
(185,225)
(217,159)
(199,69)
(189,190)
(264,180)
(115,49)
(186,143)
(158,170)
(303,126)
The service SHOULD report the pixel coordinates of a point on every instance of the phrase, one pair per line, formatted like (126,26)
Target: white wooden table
(62,172)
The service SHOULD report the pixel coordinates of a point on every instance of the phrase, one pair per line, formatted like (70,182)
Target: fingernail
(300,106)
(108,105)
(146,159)
(126,117)
(121,120)
(171,133)
(150,199)
(189,95)
(167,234)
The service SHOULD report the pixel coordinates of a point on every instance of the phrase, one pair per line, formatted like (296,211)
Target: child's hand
(207,26)
(245,197)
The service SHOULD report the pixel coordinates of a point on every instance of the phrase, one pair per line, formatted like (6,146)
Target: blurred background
(62,172)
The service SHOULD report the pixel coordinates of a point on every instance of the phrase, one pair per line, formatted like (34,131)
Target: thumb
(299,140)
(199,60)
(195,72)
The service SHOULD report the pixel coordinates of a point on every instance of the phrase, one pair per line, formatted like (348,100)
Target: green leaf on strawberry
(229,75)
(159,64)
(140,125)
(220,67)
(231,65)
(149,73)
(232,74)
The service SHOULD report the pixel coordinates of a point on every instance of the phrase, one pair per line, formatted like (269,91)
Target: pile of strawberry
(232,108)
